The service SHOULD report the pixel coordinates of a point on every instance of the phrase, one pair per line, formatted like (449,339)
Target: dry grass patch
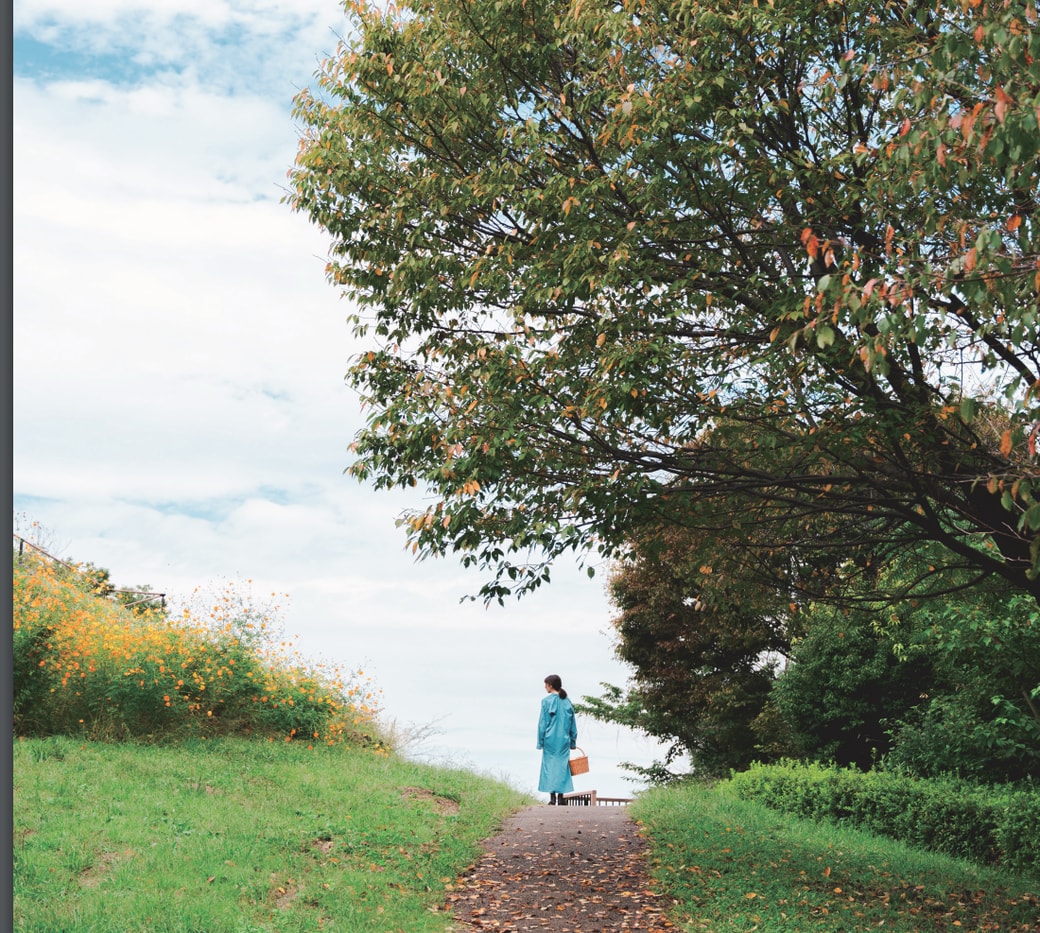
(443,805)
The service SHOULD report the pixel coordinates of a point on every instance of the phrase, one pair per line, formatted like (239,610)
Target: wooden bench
(589,798)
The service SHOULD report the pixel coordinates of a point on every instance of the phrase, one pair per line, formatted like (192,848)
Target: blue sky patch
(45,62)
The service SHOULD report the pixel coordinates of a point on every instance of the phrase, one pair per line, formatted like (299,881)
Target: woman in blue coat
(557,735)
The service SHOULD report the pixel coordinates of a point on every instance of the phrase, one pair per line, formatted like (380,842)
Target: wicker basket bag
(579,763)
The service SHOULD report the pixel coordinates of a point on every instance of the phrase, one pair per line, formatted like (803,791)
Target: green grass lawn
(240,836)
(737,866)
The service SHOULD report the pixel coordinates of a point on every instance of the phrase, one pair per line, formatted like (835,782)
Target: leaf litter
(564,870)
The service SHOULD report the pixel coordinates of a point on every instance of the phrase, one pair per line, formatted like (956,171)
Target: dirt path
(565,870)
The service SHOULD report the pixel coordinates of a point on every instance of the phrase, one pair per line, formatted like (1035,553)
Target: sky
(180,414)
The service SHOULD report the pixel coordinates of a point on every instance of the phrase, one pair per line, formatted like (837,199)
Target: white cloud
(180,412)
(31,14)
(230,46)
(203,145)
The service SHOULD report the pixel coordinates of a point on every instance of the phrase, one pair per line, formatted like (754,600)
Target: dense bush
(985,824)
(981,717)
(84,664)
(844,686)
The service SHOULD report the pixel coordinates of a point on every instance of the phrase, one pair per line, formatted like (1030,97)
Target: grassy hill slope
(234,835)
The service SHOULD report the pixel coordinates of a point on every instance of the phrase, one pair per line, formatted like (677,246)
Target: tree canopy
(641,262)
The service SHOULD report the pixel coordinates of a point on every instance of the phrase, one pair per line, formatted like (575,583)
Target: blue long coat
(557,735)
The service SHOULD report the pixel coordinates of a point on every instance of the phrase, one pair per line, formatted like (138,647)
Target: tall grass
(88,666)
(229,835)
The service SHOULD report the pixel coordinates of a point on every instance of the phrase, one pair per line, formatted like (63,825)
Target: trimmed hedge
(988,825)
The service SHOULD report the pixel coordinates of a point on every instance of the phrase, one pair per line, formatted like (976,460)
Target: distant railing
(589,798)
(23,543)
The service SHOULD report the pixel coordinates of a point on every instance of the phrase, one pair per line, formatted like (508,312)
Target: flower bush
(86,665)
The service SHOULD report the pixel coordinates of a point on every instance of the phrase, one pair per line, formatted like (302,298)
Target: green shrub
(979,719)
(844,685)
(986,824)
(1018,831)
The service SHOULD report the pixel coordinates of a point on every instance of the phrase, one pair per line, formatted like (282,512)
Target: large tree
(618,263)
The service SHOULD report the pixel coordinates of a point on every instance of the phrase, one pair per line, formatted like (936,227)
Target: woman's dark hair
(553,680)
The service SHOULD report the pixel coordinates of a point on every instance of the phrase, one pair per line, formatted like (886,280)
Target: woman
(557,735)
